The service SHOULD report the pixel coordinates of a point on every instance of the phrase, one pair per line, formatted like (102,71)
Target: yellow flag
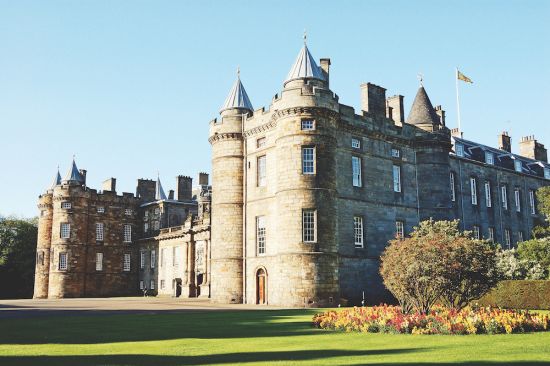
(463,77)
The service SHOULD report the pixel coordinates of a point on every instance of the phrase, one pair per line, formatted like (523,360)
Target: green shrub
(519,294)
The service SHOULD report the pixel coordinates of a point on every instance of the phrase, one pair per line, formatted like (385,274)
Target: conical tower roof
(305,67)
(73,175)
(159,194)
(237,97)
(422,112)
(56,180)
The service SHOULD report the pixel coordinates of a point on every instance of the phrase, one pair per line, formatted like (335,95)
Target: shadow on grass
(152,327)
(214,359)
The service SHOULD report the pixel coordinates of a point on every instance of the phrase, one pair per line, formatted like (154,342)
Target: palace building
(305,196)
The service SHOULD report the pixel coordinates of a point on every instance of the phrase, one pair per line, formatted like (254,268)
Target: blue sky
(130,86)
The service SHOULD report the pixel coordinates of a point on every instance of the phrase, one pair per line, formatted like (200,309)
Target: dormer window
(308,124)
(66,205)
(489,158)
(459,150)
(395,153)
(517,166)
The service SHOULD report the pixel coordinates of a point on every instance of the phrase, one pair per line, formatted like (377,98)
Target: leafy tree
(17,256)
(542,229)
(438,263)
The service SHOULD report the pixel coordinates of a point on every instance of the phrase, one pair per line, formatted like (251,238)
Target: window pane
(65,230)
(127,233)
(396,178)
(62,261)
(126,262)
(308,124)
(356,170)
(358,231)
(260,234)
(355,143)
(473,188)
(308,226)
(308,156)
(261,171)
(99,261)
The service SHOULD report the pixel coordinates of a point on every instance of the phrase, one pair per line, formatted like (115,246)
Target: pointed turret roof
(73,175)
(422,110)
(56,179)
(237,97)
(305,67)
(159,194)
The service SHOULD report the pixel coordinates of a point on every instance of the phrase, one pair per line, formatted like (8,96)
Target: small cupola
(237,98)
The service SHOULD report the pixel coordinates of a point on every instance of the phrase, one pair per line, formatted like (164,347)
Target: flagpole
(457,103)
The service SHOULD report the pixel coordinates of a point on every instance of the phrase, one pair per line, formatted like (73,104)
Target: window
(504,197)
(163,257)
(459,149)
(520,236)
(517,200)
(452,183)
(488,199)
(308,226)
(308,124)
(355,143)
(99,231)
(99,261)
(162,284)
(128,212)
(400,229)
(146,227)
(517,166)
(127,233)
(152,285)
(146,215)
(356,171)
(475,232)
(100,209)
(507,239)
(177,256)
(153,258)
(473,188)
(260,142)
(141,285)
(40,258)
(547,173)
(261,171)
(142,259)
(395,153)
(358,231)
(127,259)
(157,211)
(308,160)
(491,232)
(156,225)
(63,261)
(65,230)
(532,202)
(66,205)
(396,178)
(489,158)
(174,259)
(260,234)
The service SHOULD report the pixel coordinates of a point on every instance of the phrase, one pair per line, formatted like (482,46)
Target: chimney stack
(171,194)
(83,175)
(505,142)
(455,132)
(395,104)
(441,113)
(325,66)
(373,99)
(531,148)
(109,185)
(146,190)
(203,179)
(184,186)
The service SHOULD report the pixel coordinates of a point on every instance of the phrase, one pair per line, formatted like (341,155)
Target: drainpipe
(245,178)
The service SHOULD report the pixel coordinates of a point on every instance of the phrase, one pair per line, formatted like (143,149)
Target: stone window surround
(356,171)
(260,235)
(127,260)
(99,261)
(66,205)
(261,170)
(99,231)
(473,191)
(400,229)
(65,230)
(358,232)
(309,225)
(396,174)
(488,195)
(308,160)
(308,124)
(63,264)
(127,233)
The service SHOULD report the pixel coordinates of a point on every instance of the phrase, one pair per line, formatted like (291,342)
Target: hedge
(519,294)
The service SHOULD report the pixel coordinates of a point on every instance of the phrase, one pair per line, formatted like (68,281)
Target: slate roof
(237,98)
(422,110)
(305,67)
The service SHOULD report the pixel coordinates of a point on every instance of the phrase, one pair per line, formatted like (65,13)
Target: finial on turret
(305,36)
(238,72)
(420,77)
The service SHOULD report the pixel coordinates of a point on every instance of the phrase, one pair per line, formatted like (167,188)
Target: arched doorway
(261,284)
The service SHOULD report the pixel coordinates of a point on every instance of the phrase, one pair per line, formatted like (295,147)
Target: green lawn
(247,337)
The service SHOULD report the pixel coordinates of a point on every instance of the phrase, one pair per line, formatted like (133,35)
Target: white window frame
(141,285)
(152,285)
(142,259)
(507,238)
(473,189)
(356,163)
(127,262)
(309,227)
(163,257)
(66,205)
(488,197)
(99,231)
(396,172)
(63,261)
(358,232)
(307,124)
(153,258)
(476,231)
(162,284)
(99,261)
(504,196)
(260,235)
(517,199)
(127,233)
(128,212)
(395,152)
(145,227)
(520,236)
(452,183)
(518,166)
(532,202)
(399,229)
(100,209)
(546,173)
(65,230)
(489,158)
(491,232)
(355,143)
(459,149)
(308,159)
(261,170)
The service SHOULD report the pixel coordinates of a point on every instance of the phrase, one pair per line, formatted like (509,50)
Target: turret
(422,114)
(227,196)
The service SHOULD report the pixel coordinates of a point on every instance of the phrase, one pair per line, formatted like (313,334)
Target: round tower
(227,197)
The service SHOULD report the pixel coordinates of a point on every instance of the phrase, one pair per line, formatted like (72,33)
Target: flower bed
(440,320)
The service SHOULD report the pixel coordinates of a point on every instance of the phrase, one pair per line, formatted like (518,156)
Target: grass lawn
(266,337)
